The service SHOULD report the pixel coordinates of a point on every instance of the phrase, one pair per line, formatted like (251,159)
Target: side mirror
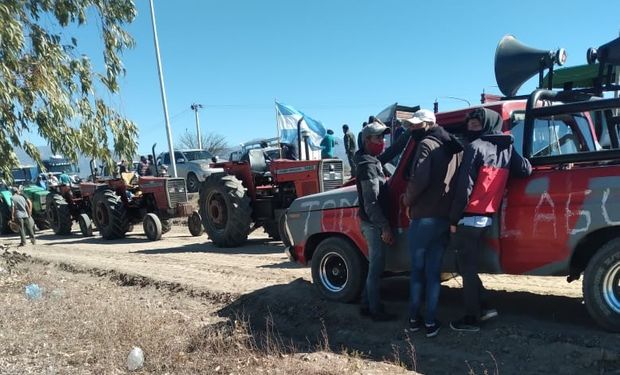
(214,159)
(180,161)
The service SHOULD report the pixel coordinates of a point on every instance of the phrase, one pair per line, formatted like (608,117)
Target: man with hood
(428,197)
(488,160)
(371,190)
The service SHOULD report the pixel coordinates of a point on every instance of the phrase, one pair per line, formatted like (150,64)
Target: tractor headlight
(332,176)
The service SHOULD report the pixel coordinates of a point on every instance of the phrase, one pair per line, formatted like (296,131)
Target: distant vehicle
(192,165)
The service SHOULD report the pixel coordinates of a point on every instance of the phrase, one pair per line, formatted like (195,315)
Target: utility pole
(195,108)
(163,93)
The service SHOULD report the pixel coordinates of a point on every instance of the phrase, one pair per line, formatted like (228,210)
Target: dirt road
(543,326)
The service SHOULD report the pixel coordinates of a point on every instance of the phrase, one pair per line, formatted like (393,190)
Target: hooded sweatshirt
(487,163)
(431,181)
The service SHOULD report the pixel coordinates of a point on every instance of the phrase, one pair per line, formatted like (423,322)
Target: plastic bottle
(135,359)
(34,291)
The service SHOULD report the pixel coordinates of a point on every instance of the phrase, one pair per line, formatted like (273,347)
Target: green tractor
(5,209)
(25,177)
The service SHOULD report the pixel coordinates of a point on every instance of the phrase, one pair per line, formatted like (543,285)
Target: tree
(48,87)
(214,143)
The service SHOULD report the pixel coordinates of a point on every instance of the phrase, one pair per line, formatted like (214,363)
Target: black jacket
(431,181)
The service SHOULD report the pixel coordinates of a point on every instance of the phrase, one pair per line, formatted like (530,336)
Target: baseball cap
(423,115)
(375,128)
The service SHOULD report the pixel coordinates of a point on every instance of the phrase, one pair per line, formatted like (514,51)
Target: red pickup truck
(562,220)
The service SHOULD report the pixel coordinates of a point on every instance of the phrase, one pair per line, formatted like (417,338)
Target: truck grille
(177,193)
(332,174)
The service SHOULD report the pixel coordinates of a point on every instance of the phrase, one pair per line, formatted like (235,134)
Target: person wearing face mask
(372,193)
(488,160)
(427,198)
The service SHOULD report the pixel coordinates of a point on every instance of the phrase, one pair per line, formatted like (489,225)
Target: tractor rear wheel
(225,210)
(152,227)
(110,214)
(86,225)
(194,223)
(59,214)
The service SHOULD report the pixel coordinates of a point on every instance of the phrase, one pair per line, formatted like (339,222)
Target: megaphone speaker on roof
(515,63)
(608,53)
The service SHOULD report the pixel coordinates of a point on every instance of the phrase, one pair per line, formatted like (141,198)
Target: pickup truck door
(544,215)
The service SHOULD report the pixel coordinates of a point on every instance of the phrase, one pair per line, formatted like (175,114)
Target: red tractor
(255,191)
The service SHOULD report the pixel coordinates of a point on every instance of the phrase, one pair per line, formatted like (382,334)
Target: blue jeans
(376,263)
(427,241)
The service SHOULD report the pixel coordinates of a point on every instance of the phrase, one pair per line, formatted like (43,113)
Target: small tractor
(24,177)
(116,204)
(254,192)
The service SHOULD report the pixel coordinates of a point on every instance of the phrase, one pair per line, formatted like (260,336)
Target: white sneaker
(487,314)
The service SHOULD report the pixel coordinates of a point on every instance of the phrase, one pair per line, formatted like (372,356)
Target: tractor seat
(258,163)
(128,178)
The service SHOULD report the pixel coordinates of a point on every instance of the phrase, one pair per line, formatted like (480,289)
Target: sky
(338,61)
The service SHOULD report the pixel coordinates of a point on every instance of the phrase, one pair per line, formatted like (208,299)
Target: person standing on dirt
(328,144)
(22,212)
(488,160)
(349,147)
(428,196)
(372,193)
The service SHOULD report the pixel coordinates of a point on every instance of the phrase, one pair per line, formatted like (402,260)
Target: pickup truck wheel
(601,286)
(193,184)
(338,270)
(225,210)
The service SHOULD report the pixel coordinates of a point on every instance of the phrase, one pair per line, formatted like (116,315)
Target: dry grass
(88,325)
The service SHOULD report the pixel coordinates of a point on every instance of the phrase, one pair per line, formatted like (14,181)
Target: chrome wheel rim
(333,272)
(611,287)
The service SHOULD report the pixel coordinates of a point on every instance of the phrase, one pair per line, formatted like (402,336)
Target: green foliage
(48,87)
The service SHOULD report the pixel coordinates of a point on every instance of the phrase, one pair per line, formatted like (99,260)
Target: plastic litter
(34,291)
(57,293)
(135,359)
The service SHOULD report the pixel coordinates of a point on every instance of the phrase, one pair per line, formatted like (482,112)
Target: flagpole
(278,128)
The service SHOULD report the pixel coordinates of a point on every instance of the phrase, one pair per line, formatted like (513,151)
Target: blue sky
(337,61)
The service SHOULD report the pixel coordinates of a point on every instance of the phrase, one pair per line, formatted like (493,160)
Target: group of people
(453,191)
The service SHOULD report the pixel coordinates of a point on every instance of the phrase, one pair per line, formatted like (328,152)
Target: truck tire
(194,224)
(110,215)
(338,270)
(601,286)
(272,230)
(152,227)
(225,210)
(193,184)
(59,214)
(86,225)
(5,217)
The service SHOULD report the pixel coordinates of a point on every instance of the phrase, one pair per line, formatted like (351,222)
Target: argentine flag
(287,118)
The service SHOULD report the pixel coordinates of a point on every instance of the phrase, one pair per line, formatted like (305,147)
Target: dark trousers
(468,242)
(371,295)
(26,223)
(352,165)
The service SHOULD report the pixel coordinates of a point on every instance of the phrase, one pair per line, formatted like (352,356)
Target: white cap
(423,115)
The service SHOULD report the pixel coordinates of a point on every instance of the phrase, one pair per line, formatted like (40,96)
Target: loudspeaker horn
(608,53)
(515,63)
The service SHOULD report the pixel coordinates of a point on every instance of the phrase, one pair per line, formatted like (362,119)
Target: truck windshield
(61,167)
(197,155)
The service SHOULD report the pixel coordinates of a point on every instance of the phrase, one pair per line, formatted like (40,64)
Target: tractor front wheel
(225,210)
(152,227)
(86,225)
(194,223)
(59,214)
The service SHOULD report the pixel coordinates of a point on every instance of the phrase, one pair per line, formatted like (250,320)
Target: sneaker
(415,324)
(465,324)
(382,317)
(487,314)
(433,329)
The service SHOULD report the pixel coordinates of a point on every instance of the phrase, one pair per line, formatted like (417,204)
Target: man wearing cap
(372,195)
(488,160)
(22,210)
(428,197)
